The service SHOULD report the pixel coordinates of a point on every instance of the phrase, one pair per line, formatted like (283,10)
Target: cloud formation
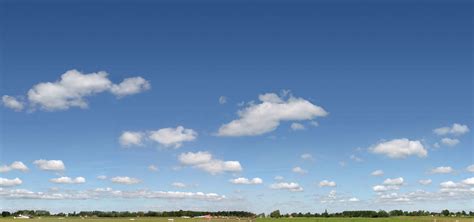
(450,142)
(125,180)
(167,137)
(72,89)
(264,117)
(50,165)
(327,183)
(377,173)
(4,182)
(400,148)
(16,165)
(442,170)
(68,180)
(456,129)
(293,187)
(204,161)
(242,180)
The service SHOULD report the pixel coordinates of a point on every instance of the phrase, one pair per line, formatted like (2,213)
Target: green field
(160,219)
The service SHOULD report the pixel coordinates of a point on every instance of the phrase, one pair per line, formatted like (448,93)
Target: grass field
(158,219)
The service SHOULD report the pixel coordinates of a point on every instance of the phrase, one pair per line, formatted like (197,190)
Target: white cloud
(293,187)
(242,180)
(16,165)
(173,137)
(353,199)
(455,129)
(449,184)
(383,188)
(178,185)
(222,100)
(130,86)
(377,173)
(152,168)
(297,126)
(4,182)
(326,183)
(129,138)
(307,156)
(400,148)
(449,141)
(50,165)
(470,168)
(299,170)
(68,180)
(205,161)
(125,180)
(393,182)
(264,117)
(108,193)
(102,177)
(12,103)
(468,181)
(442,170)
(72,89)
(425,182)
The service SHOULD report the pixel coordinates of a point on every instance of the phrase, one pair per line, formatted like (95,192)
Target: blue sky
(214,91)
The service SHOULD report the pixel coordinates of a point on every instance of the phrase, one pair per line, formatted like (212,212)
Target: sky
(299,105)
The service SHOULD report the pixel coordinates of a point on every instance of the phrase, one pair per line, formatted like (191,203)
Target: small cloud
(425,182)
(173,137)
(125,180)
(222,100)
(307,156)
(278,178)
(129,138)
(442,170)
(356,158)
(450,142)
(178,185)
(50,165)
(68,180)
(293,187)
(456,129)
(12,103)
(326,183)
(102,177)
(400,148)
(470,168)
(394,182)
(299,170)
(297,126)
(205,161)
(4,182)
(242,180)
(377,173)
(17,165)
(152,168)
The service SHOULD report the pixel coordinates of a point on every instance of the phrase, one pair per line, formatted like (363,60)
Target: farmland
(316,219)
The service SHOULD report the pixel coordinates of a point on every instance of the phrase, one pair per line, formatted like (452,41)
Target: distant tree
(6,214)
(325,214)
(275,214)
(445,213)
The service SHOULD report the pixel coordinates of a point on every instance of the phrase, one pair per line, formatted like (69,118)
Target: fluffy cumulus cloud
(442,170)
(167,137)
(205,161)
(299,170)
(264,117)
(125,180)
(456,129)
(4,182)
(400,148)
(327,183)
(50,165)
(393,182)
(425,182)
(242,180)
(173,137)
(72,89)
(450,142)
(293,187)
(389,184)
(469,181)
(16,165)
(108,193)
(68,180)
(377,173)
(129,138)
(12,103)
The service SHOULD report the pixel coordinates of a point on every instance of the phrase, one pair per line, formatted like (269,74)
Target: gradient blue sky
(383,70)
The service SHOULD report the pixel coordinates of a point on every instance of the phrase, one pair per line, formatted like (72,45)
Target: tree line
(180,213)
(371,214)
